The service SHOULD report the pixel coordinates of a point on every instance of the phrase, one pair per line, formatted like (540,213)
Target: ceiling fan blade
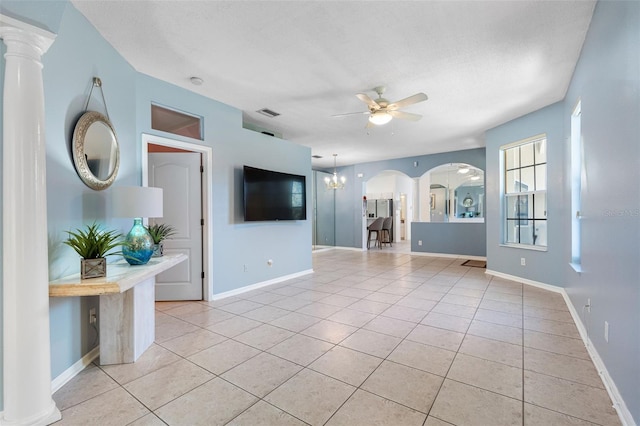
(418,97)
(405,115)
(367,100)
(351,113)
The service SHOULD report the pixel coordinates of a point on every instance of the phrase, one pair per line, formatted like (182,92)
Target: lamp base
(138,244)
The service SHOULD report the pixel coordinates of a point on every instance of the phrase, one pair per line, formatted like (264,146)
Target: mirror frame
(80,161)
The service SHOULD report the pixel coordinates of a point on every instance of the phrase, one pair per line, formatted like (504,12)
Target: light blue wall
(449,238)
(349,200)
(78,54)
(606,79)
(543,266)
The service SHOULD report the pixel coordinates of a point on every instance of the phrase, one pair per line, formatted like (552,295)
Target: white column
(26,346)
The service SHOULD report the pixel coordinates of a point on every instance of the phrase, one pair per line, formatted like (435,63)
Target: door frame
(207,197)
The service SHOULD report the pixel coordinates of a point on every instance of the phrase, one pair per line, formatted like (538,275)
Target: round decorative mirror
(95,150)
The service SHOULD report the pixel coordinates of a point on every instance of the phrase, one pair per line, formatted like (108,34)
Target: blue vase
(138,244)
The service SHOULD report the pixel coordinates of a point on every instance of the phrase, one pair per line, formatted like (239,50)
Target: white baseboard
(618,402)
(259,285)
(448,256)
(76,368)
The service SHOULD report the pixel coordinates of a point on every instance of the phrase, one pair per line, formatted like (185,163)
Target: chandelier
(335,182)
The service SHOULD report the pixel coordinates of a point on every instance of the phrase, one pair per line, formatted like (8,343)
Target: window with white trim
(525,193)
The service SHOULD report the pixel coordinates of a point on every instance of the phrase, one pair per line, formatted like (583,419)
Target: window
(525,193)
(176,122)
(576,184)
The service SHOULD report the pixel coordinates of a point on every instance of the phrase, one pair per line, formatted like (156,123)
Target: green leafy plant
(160,231)
(93,243)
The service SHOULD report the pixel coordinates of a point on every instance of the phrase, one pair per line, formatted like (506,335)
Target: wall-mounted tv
(270,195)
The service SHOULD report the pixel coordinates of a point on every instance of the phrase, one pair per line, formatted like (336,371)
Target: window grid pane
(525,195)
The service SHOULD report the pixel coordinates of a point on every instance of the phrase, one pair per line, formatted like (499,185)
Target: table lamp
(137,202)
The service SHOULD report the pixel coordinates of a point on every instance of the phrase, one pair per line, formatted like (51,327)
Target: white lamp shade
(137,201)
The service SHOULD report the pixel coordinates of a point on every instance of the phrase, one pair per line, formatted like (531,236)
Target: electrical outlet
(93,318)
(606,331)
(588,305)
(419,242)
(523,261)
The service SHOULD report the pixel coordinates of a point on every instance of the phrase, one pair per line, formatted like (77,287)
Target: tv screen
(270,195)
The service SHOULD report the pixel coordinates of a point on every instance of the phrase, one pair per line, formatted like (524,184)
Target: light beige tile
(266,298)
(405,313)
(423,357)
(578,400)
(264,336)
(90,382)
(224,356)
(499,332)
(339,300)
(319,310)
(216,303)
(287,290)
(461,300)
(301,349)
(99,410)
(148,420)
(371,342)
(215,402)
(291,303)
(557,344)
(241,306)
(560,328)
(439,337)
(261,374)
(329,331)
(381,296)
(538,416)
(504,297)
(164,306)
(364,408)
(168,327)
(310,396)
(347,365)
(462,404)
(262,413)
(352,317)
(550,314)
(489,375)
(433,421)
(494,305)
(312,296)
(234,326)
(151,360)
(191,343)
(470,292)
(358,293)
(390,326)
(405,385)
(566,367)
(434,294)
(186,308)
(448,322)
(492,350)
(157,388)
(265,313)
(206,318)
(497,317)
(455,310)
(370,306)
(295,322)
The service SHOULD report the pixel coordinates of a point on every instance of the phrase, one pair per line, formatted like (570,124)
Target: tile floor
(373,338)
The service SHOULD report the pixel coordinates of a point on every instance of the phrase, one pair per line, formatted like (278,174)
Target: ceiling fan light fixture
(380,117)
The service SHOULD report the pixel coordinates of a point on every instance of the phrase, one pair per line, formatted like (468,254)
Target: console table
(127,305)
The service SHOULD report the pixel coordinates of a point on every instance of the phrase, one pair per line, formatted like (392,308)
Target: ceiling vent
(268,112)
(316,156)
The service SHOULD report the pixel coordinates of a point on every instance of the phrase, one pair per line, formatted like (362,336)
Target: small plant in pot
(160,232)
(93,245)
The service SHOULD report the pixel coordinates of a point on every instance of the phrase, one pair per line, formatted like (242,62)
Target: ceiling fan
(381,111)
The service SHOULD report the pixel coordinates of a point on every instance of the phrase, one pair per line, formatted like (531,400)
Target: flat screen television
(270,195)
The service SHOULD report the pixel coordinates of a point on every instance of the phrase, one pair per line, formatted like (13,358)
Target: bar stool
(376,226)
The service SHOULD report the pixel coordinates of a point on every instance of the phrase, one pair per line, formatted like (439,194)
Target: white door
(180,176)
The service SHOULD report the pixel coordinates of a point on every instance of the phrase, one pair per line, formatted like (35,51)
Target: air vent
(268,112)
(316,156)
(268,133)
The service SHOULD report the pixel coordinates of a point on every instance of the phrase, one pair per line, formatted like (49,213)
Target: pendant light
(335,182)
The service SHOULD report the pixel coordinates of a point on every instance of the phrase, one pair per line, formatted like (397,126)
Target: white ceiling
(481,63)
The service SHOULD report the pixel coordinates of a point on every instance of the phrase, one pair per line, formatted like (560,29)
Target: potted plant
(93,244)
(159,232)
